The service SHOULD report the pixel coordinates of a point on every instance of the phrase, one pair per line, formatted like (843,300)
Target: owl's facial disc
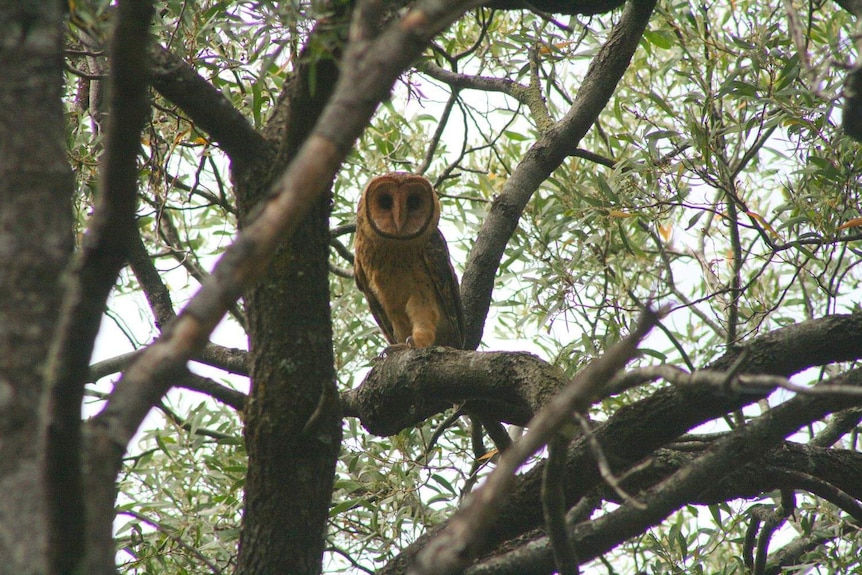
(400,211)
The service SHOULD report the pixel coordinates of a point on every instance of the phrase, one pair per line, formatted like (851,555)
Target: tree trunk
(35,246)
(293,423)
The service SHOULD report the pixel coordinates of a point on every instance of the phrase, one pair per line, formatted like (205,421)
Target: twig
(341,249)
(438,433)
(169,533)
(233,398)
(438,133)
(602,461)
(340,271)
(758,384)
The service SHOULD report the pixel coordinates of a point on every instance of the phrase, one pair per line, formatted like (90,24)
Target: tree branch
(792,553)
(484,83)
(791,349)
(409,386)
(106,247)
(743,445)
(544,157)
(230,359)
(207,107)
(554,508)
(151,283)
(635,431)
(224,394)
(585,7)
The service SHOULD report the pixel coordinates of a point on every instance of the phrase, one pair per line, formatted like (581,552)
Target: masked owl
(402,263)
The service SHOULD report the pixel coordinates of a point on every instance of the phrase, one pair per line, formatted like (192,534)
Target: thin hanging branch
(554,507)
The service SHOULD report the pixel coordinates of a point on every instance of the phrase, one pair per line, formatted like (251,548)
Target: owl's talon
(409,342)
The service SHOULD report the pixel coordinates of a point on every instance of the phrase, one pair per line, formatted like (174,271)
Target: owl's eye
(384,202)
(413,202)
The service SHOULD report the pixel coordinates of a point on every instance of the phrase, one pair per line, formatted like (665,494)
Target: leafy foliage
(716,181)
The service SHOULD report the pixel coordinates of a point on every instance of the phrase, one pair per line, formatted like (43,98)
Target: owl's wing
(450,332)
(376,309)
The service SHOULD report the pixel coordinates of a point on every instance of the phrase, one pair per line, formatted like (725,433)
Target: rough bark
(35,246)
(293,424)
(410,386)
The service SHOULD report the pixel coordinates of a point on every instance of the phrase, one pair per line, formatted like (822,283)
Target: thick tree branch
(106,247)
(410,386)
(230,359)
(799,346)
(605,71)
(637,430)
(585,7)
(745,444)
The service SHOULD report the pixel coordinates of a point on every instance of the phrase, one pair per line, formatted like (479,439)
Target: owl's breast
(396,274)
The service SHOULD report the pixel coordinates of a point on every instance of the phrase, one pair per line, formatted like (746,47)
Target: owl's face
(400,206)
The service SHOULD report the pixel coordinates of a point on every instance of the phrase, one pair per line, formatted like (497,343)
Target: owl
(402,263)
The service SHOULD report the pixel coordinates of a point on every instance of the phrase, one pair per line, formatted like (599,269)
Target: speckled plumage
(402,263)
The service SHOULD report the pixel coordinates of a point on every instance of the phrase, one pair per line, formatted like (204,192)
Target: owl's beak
(399,215)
